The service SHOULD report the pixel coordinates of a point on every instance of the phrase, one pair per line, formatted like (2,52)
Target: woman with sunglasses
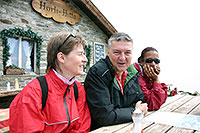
(155,93)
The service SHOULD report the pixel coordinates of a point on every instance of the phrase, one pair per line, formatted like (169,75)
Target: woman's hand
(152,72)
(157,69)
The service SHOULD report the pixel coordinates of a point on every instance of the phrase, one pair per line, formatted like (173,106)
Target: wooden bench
(4,117)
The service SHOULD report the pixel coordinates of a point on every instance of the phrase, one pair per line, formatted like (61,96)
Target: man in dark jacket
(112,87)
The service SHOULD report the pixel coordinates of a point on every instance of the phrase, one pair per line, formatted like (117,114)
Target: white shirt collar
(66,81)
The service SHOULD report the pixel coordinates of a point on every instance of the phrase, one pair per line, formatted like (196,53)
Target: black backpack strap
(75,91)
(44,87)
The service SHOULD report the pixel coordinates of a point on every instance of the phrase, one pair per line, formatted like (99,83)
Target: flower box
(14,71)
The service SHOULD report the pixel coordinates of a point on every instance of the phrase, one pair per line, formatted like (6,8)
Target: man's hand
(142,106)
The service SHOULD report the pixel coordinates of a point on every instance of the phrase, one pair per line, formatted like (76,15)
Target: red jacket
(155,94)
(26,115)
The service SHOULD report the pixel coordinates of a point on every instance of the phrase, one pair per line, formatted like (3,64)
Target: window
(22,53)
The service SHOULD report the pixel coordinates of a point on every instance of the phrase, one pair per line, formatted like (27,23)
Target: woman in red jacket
(155,93)
(62,113)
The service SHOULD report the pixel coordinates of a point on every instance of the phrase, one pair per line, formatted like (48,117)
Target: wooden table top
(12,92)
(178,104)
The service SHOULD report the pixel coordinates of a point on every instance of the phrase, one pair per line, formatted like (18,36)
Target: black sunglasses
(149,60)
(71,35)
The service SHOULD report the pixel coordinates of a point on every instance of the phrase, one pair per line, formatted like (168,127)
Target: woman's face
(151,58)
(74,62)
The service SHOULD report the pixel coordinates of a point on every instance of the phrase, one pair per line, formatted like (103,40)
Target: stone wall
(19,13)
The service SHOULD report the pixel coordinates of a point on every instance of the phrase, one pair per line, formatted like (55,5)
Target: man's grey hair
(119,36)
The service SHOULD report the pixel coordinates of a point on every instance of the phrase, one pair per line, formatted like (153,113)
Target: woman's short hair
(61,42)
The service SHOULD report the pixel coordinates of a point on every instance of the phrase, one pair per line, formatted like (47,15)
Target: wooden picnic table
(12,92)
(6,97)
(178,104)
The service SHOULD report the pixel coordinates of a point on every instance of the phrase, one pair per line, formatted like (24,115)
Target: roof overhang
(96,16)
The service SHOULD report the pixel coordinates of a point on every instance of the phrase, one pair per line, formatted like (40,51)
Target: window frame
(20,32)
(20,39)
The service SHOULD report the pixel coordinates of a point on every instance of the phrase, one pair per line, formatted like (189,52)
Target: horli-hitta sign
(56,9)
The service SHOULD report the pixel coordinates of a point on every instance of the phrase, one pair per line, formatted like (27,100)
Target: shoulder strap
(75,91)
(44,87)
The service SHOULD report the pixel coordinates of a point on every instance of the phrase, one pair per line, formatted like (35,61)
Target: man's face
(120,54)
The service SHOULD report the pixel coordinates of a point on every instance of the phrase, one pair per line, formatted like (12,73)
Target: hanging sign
(56,9)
